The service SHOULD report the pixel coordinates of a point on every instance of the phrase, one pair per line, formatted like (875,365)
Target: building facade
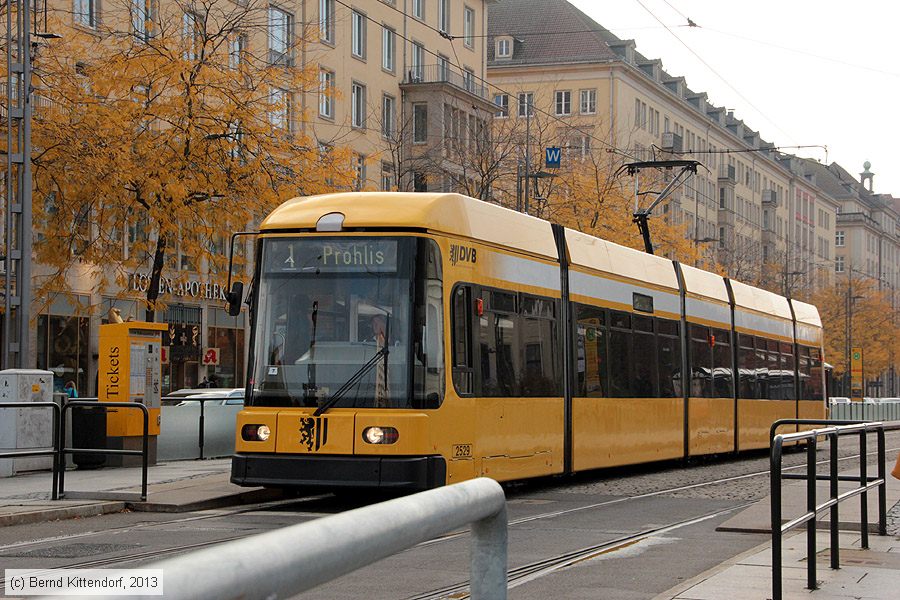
(395,80)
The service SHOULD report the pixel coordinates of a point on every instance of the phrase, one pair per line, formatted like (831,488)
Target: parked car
(839,400)
(220,396)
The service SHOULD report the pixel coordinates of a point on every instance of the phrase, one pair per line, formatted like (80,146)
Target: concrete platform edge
(66,512)
(248,497)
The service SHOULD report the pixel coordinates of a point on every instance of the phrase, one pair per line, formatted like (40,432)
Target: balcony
(727,174)
(445,74)
(858,218)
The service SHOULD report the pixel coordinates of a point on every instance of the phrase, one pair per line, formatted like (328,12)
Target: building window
(280,112)
(358,34)
(469,27)
(503,49)
(326,93)
(359,171)
(191,34)
(469,80)
(388,110)
(443,68)
(326,21)
(358,105)
(142,14)
(839,239)
(420,122)
(721,237)
(418,9)
(502,102)
(417,63)
(563,103)
(588,102)
(838,264)
(387,177)
(444,15)
(85,13)
(388,48)
(237,50)
(526,104)
(280,27)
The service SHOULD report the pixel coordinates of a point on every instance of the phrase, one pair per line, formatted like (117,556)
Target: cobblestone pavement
(646,479)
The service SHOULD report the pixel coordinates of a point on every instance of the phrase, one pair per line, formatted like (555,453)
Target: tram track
(517,576)
(529,572)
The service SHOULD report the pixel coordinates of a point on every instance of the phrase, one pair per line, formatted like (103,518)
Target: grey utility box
(25,428)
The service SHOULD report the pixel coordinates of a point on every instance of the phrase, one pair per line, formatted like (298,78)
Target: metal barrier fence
(61,449)
(288,561)
(833,431)
(865,411)
(53,452)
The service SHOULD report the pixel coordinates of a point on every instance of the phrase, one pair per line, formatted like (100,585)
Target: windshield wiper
(354,379)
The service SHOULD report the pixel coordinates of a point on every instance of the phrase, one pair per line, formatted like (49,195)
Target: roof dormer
(504,46)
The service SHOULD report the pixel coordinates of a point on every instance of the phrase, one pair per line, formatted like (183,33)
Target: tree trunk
(155,276)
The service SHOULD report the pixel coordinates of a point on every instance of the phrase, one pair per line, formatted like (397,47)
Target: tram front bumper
(387,472)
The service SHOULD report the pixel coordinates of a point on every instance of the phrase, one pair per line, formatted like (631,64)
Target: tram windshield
(348,322)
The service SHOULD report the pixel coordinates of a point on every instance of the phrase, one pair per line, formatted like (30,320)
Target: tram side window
(644,371)
(591,351)
(701,362)
(539,335)
(669,347)
(746,367)
(810,373)
(620,355)
(499,342)
(461,317)
(762,369)
(778,381)
(788,369)
(723,373)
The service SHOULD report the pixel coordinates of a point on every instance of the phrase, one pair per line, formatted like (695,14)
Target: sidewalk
(865,574)
(175,486)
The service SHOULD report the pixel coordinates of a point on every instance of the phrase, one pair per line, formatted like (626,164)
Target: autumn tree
(856,307)
(168,131)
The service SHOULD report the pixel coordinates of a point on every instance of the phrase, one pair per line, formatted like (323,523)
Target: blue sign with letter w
(551,157)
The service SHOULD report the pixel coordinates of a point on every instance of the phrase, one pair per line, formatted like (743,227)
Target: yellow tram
(412,340)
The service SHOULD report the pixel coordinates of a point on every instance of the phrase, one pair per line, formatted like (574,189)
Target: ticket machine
(130,370)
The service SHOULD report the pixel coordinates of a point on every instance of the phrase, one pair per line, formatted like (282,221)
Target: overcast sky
(801,72)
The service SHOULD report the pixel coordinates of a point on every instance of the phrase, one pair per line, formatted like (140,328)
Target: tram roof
(596,253)
(806,313)
(452,214)
(753,298)
(704,283)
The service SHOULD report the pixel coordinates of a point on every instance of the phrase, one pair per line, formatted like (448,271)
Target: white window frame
(502,103)
(359,171)
(280,33)
(326,21)
(417,61)
(387,177)
(444,16)
(358,34)
(388,49)
(587,102)
(840,238)
(388,116)
(190,34)
(838,264)
(525,103)
(85,13)
(142,14)
(504,48)
(357,105)
(326,93)
(237,49)
(563,103)
(280,116)
(469,27)
(418,9)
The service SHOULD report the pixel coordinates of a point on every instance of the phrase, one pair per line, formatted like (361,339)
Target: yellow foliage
(169,143)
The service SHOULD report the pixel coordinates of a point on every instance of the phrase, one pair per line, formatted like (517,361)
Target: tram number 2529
(462,451)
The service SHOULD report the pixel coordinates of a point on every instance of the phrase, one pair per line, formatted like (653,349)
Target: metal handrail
(201,434)
(54,452)
(833,431)
(291,560)
(63,450)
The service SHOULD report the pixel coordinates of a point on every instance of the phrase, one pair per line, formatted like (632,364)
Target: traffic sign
(552,155)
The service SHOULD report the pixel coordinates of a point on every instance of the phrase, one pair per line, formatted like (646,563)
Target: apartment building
(594,91)
(398,82)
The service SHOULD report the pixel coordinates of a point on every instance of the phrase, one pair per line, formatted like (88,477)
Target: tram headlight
(255,433)
(380,435)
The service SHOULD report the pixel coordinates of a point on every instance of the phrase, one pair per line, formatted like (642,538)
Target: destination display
(361,255)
